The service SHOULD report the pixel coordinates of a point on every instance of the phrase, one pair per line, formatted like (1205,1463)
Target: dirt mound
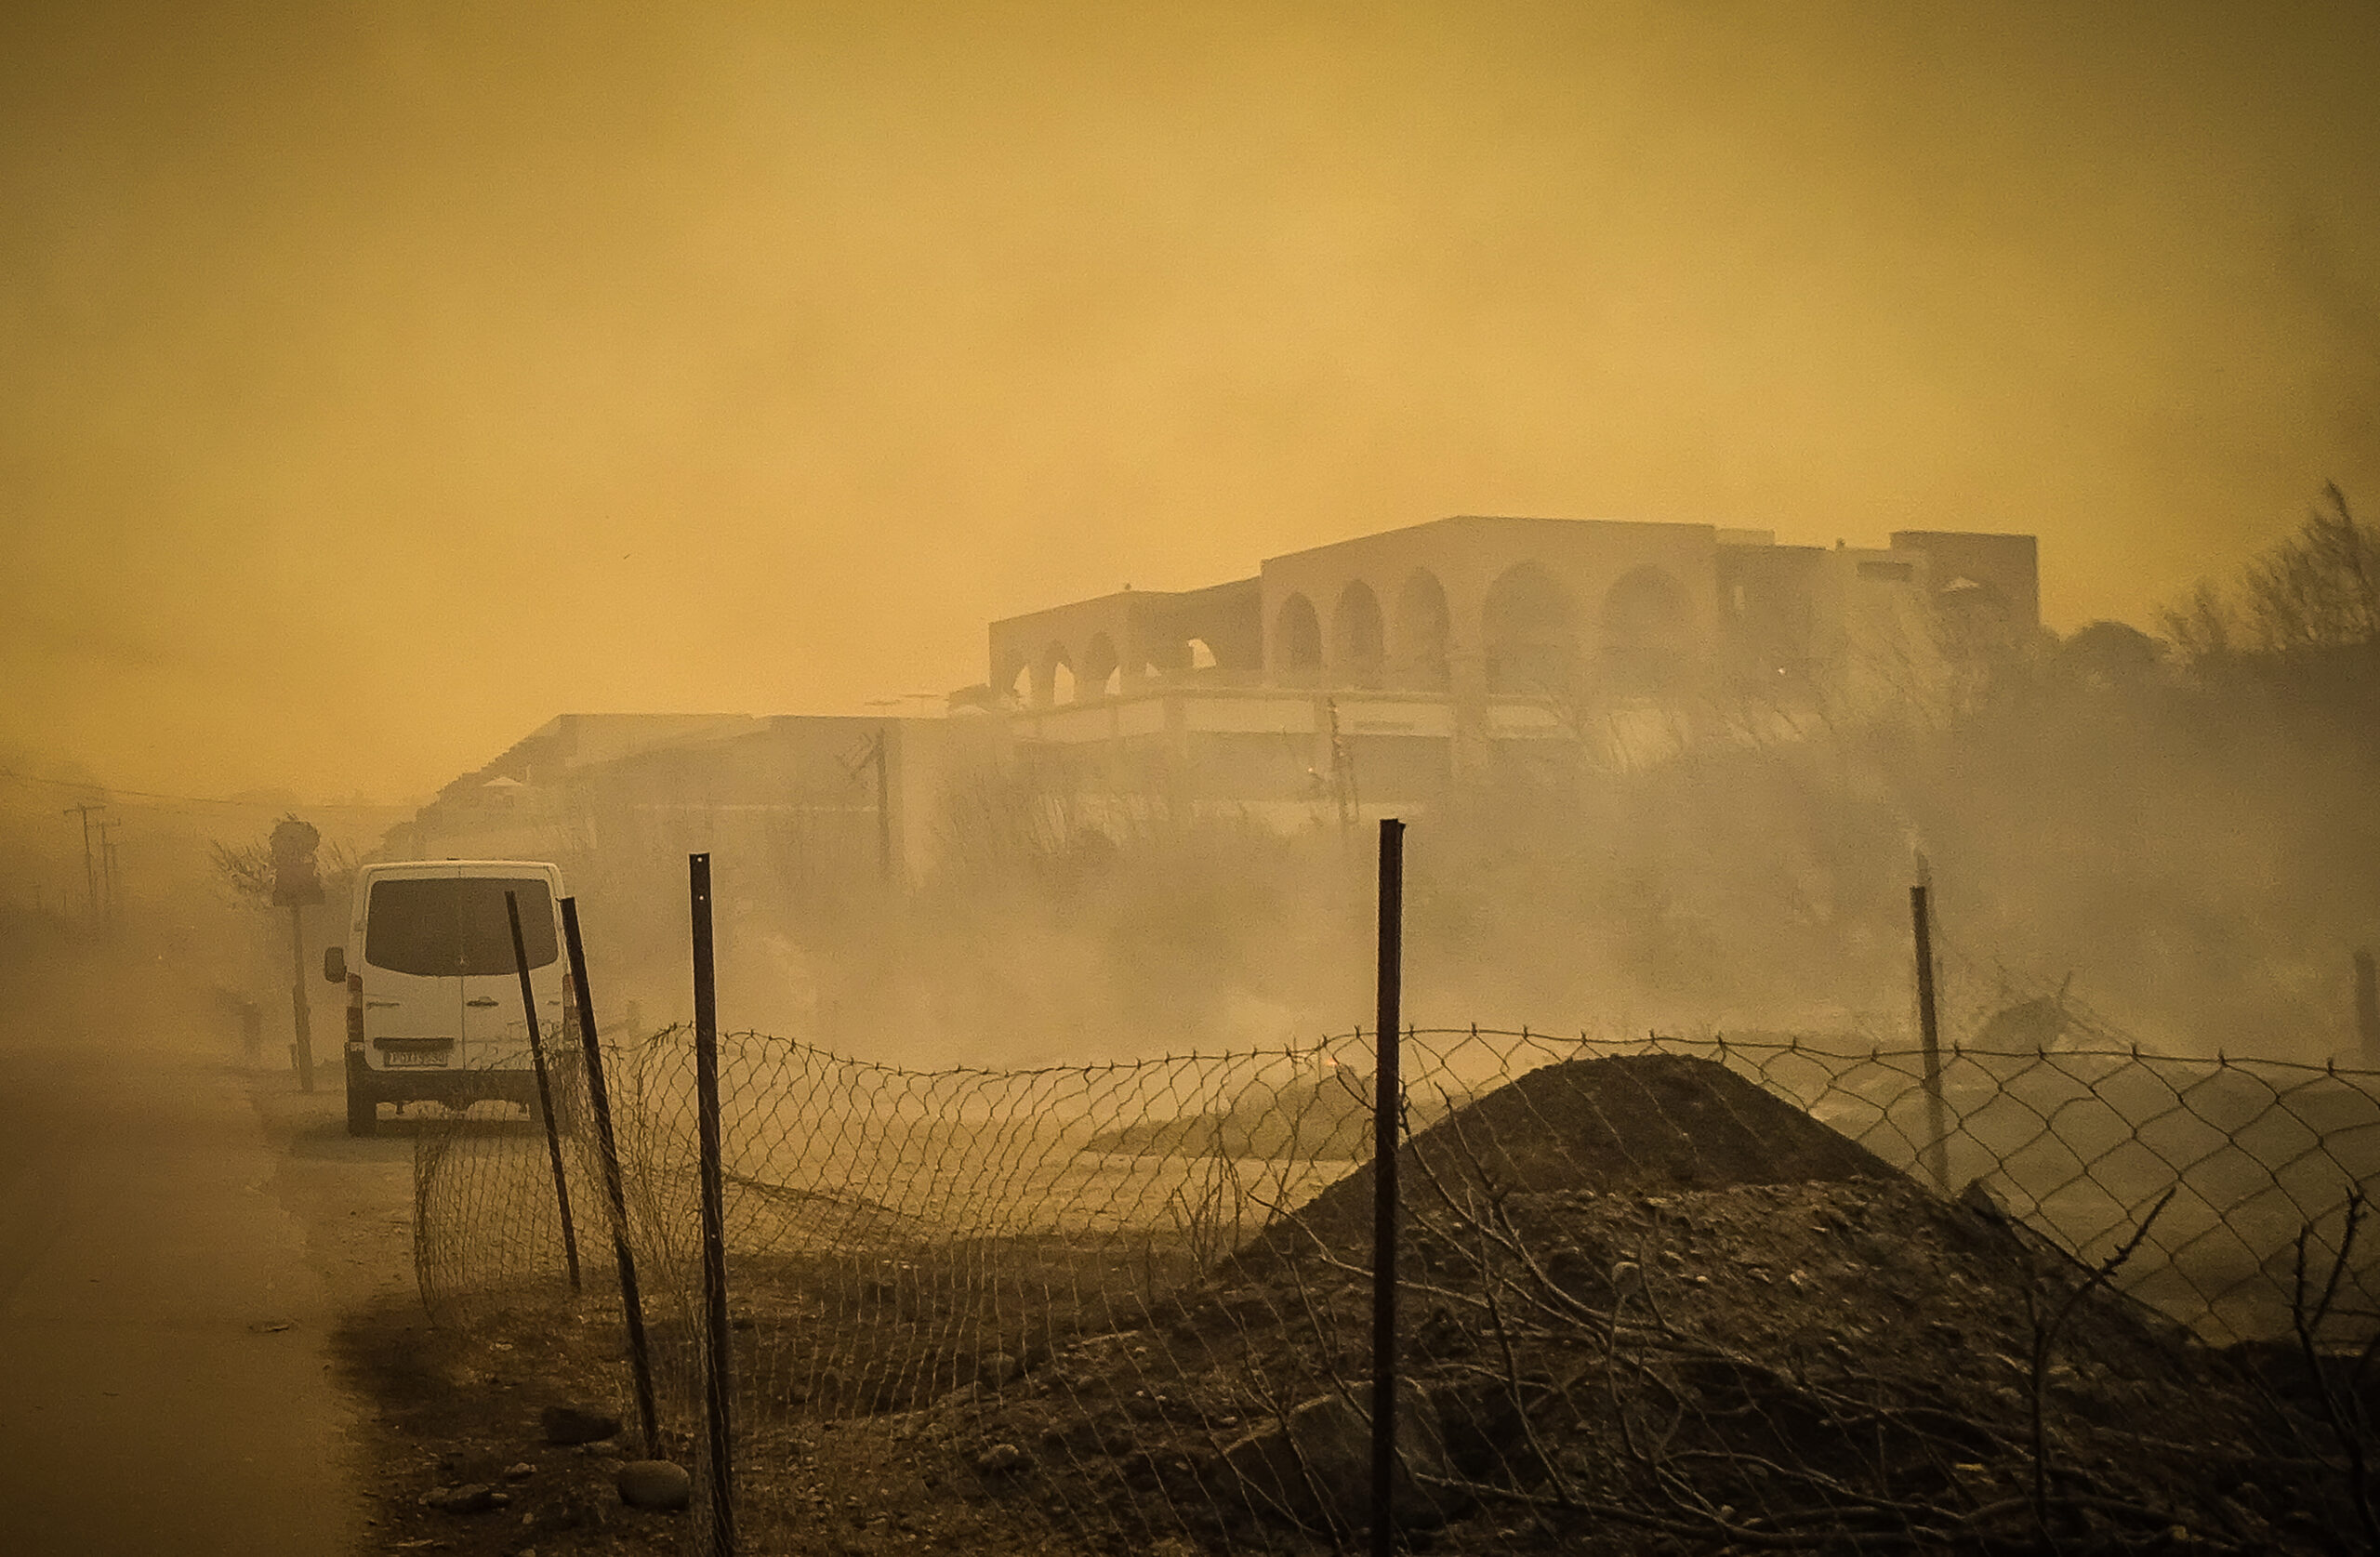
(1813,1365)
(1643,1123)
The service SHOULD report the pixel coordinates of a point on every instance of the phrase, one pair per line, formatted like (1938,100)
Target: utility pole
(296,883)
(1342,772)
(302,1052)
(108,909)
(883,809)
(91,870)
(875,754)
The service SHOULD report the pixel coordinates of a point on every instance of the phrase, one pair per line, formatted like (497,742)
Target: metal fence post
(544,1088)
(2367,1008)
(1385,1111)
(1937,1143)
(599,1101)
(715,1332)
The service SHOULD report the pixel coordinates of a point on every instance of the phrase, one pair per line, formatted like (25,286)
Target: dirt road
(178,1234)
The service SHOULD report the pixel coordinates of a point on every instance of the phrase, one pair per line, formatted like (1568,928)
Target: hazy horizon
(382,381)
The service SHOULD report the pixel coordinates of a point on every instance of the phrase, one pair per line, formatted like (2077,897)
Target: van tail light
(355,1010)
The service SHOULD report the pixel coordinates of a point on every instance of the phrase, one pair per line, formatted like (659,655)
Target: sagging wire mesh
(1697,1291)
(487,1229)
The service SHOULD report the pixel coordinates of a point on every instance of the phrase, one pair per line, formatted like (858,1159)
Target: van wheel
(363,1111)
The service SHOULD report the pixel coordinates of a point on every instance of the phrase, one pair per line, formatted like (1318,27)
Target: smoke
(384,381)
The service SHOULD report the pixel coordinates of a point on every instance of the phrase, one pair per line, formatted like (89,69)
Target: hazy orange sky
(380,379)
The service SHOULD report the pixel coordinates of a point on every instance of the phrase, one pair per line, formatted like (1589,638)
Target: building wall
(1473,605)
(1465,635)
(1478,567)
(798,788)
(1122,643)
(1988,586)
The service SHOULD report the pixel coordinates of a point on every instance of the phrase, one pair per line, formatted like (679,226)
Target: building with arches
(1372,673)
(1343,681)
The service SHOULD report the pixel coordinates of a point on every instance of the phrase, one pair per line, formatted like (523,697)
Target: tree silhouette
(2316,592)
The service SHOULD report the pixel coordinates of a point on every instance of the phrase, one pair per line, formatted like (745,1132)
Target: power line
(113,793)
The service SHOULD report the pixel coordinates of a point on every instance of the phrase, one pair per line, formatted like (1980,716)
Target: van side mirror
(335,964)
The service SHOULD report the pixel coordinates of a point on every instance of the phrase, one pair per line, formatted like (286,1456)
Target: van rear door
(412,1010)
(494,1036)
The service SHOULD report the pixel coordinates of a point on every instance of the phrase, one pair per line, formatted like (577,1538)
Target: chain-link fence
(1719,1293)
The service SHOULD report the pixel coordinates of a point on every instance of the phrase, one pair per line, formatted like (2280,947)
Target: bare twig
(2046,1339)
(2308,1325)
(1513,1383)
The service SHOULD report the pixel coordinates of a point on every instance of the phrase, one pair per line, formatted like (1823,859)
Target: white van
(434,992)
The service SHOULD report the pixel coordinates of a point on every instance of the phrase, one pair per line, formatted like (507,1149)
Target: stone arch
(1056,683)
(1102,669)
(1163,654)
(1359,636)
(1647,630)
(1297,635)
(1019,686)
(1526,632)
(1424,626)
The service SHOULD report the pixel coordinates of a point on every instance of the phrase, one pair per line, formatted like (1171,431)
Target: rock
(654,1483)
(1982,1199)
(1316,1467)
(998,1368)
(475,1497)
(1002,1460)
(578,1424)
(519,1471)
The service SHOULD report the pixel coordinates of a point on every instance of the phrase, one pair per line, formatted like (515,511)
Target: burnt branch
(2343,1417)
(2044,1340)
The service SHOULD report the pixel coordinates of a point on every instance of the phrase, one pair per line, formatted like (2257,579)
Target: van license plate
(430,1059)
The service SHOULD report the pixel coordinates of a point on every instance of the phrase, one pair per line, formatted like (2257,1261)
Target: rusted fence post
(599,1103)
(1937,1134)
(714,1216)
(544,1088)
(1388,1095)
